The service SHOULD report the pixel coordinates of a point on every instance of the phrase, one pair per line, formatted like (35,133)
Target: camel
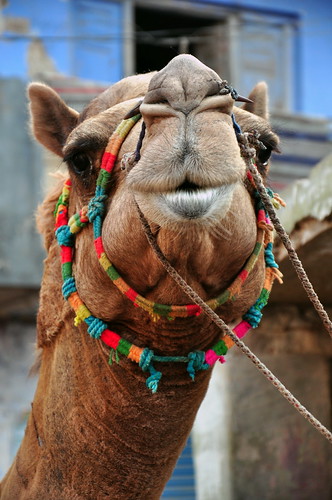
(102,426)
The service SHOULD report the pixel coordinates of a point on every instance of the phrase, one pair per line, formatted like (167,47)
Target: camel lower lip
(203,204)
(197,203)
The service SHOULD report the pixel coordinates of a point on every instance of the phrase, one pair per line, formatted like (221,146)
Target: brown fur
(95,430)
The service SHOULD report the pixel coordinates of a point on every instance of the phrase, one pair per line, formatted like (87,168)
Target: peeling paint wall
(82,38)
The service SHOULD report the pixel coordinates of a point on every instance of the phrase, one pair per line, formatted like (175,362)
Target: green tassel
(114,356)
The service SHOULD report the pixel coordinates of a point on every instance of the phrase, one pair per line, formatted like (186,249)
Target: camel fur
(95,431)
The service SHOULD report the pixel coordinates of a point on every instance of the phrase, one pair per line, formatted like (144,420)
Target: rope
(297,264)
(95,211)
(66,231)
(144,356)
(227,331)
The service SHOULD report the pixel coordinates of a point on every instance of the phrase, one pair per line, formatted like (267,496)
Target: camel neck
(85,408)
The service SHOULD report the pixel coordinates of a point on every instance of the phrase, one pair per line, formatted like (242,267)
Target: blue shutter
(181,486)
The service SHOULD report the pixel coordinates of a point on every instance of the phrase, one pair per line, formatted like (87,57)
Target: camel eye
(263,155)
(80,163)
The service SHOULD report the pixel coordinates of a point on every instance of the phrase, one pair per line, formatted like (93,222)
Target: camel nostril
(157,101)
(162,101)
(214,88)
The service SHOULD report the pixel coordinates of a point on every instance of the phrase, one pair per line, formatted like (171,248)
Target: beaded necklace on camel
(66,229)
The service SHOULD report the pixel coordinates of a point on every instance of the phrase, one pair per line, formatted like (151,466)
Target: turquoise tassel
(196,362)
(153,381)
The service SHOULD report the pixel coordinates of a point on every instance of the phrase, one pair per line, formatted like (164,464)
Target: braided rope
(248,142)
(297,264)
(227,331)
(94,213)
(197,360)
(98,329)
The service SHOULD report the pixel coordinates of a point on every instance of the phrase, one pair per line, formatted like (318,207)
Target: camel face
(188,182)
(190,167)
(190,162)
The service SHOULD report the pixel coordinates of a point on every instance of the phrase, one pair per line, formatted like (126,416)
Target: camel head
(188,178)
(190,163)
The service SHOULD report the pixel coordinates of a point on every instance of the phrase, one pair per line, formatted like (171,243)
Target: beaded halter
(66,230)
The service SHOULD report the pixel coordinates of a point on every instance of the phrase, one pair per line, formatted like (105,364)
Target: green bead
(113,273)
(66,270)
(220,348)
(124,347)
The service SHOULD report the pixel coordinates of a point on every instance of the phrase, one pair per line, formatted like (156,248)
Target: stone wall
(271,452)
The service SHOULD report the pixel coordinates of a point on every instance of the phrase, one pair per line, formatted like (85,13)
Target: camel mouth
(188,186)
(188,202)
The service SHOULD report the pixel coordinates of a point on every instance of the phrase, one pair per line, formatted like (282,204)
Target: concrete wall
(17,354)
(21,256)
(22,177)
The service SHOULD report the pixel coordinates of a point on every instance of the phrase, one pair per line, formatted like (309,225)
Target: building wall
(22,177)
(82,38)
(88,39)
(249,442)
(314,42)
(17,355)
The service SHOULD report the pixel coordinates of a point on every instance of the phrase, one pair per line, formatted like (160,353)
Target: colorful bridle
(66,230)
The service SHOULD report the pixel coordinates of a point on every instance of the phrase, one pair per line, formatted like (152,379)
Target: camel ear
(259,95)
(51,119)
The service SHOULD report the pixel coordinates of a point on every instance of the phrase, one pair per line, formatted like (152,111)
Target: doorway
(162,34)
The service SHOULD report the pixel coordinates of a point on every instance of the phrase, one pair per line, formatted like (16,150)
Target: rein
(145,357)
(94,213)
(197,360)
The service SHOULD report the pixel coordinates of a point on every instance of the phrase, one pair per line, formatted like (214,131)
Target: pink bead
(211,357)
(241,329)
(261,215)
